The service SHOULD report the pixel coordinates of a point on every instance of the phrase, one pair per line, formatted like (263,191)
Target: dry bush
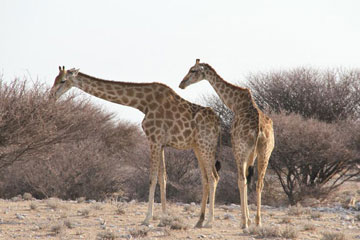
(328,96)
(311,158)
(67,149)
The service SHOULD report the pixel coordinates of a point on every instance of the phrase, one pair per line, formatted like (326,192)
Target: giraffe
(252,134)
(169,121)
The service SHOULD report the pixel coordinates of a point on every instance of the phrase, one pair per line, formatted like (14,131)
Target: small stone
(19,216)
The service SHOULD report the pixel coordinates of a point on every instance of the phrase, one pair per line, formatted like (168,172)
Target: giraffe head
(63,81)
(195,74)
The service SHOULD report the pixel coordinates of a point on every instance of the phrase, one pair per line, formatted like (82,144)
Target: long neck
(237,99)
(128,94)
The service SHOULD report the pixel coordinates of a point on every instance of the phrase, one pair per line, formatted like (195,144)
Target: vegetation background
(71,149)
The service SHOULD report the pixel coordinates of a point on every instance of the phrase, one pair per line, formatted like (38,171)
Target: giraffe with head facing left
(169,121)
(252,134)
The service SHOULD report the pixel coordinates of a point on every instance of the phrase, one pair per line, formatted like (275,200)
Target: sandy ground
(57,219)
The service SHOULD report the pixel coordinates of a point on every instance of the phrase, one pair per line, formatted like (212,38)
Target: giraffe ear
(197,61)
(60,68)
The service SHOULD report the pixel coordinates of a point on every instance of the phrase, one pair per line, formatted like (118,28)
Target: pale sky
(159,40)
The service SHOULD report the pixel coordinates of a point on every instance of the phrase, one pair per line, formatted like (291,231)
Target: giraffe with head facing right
(169,121)
(252,134)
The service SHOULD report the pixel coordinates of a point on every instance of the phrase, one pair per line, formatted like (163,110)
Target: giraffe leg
(243,194)
(162,181)
(205,189)
(156,153)
(263,160)
(251,161)
(212,186)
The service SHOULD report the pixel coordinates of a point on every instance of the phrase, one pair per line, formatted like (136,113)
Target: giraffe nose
(182,84)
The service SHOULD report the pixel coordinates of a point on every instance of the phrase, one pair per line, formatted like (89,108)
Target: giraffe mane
(128,83)
(231,84)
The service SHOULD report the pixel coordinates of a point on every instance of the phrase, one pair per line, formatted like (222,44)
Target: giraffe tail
(250,173)
(217,166)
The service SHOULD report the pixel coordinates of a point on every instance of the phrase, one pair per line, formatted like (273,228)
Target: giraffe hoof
(208,225)
(244,226)
(145,223)
(198,224)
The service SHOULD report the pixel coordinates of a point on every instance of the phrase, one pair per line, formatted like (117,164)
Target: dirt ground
(57,219)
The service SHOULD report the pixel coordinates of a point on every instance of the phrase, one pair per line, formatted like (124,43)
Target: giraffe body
(169,121)
(252,134)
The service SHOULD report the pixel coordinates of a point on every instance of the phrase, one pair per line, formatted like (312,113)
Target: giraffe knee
(260,185)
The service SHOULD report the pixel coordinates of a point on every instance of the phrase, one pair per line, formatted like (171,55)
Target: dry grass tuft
(273,232)
(107,235)
(97,206)
(56,229)
(53,203)
(81,200)
(175,223)
(139,232)
(84,212)
(286,220)
(309,227)
(265,232)
(27,196)
(33,206)
(290,233)
(69,224)
(120,209)
(333,236)
(189,208)
(298,211)
(315,215)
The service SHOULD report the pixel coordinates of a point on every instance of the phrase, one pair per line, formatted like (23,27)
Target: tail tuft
(249,175)
(218,166)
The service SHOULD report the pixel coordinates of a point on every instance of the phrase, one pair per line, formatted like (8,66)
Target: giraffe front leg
(244,213)
(203,203)
(154,165)
(212,187)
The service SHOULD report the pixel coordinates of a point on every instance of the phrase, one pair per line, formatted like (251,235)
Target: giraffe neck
(236,98)
(128,94)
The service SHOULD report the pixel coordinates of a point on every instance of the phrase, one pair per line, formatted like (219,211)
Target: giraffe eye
(193,71)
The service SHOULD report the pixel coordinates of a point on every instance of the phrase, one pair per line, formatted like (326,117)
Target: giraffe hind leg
(265,147)
(162,182)
(205,189)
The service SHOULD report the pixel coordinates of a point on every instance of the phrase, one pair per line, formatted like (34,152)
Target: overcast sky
(146,41)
